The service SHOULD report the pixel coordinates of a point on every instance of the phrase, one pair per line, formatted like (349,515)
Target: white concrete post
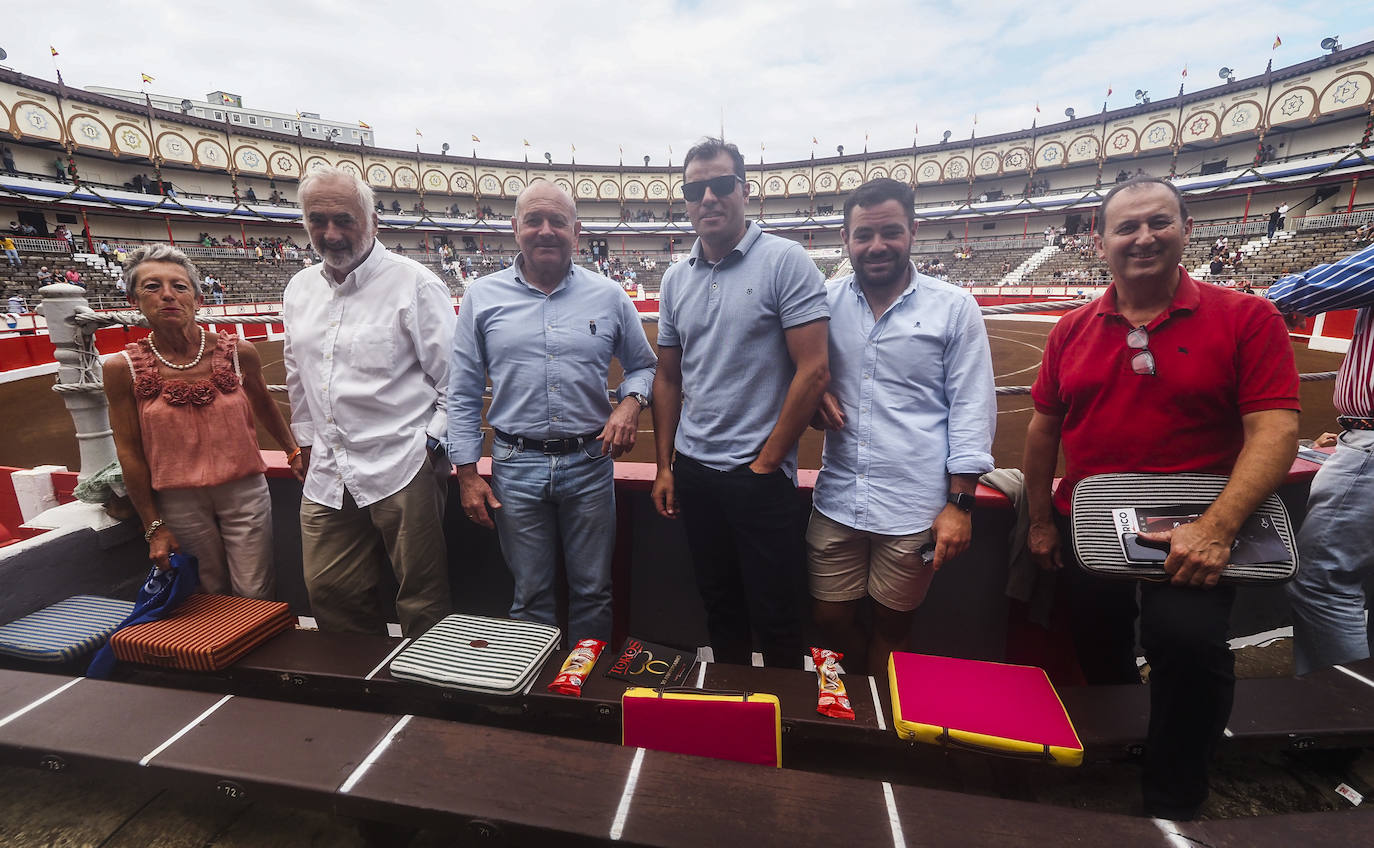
(79,375)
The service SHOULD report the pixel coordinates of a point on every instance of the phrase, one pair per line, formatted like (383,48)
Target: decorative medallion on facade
(175,147)
(901,173)
(1292,104)
(250,158)
(513,186)
(1121,140)
(283,164)
(1085,147)
(775,184)
(131,139)
(489,184)
(930,172)
(210,153)
(1347,91)
(405,179)
(461,182)
(1014,159)
(634,189)
(1049,153)
(1200,126)
(36,118)
(657,189)
(350,168)
(378,174)
(434,181)
(1240,117)
(586,188)
(1157,134)
(987,163)
(825,182)
(956,168)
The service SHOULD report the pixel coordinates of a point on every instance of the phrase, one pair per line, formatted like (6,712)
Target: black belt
(1349,422)
(548,447)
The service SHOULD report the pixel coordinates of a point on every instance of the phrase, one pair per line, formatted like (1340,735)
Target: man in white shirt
(368,334)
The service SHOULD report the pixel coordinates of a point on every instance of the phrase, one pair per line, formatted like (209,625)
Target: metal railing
(1337,220)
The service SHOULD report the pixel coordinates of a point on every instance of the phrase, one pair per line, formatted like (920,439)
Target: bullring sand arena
(37,425)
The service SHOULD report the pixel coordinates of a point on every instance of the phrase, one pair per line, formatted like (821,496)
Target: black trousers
(746,535)
(1192,671)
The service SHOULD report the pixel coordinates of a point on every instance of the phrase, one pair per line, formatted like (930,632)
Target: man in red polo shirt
(1162,374)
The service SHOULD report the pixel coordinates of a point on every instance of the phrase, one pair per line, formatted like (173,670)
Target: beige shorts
(846,564)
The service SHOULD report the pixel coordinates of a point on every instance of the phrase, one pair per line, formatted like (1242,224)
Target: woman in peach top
(182,407)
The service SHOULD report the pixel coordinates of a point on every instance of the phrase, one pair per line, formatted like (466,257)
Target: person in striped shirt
(1336,542)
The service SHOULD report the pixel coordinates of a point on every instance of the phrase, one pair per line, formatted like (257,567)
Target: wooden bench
(522,788)
(1329,709)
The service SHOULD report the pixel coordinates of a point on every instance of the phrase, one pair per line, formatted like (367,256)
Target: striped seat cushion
(494,655)
(65,630)
(205,633)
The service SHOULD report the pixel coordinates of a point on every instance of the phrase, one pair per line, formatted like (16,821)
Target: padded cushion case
(206,633)
(65,630)
(1010,710)
(498,656)
(1097,543)
(745,727)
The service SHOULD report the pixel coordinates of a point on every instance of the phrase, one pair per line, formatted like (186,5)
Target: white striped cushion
(65,630)
(494,655)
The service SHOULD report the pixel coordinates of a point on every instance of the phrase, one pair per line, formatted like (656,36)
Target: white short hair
(158,253)
(367,200)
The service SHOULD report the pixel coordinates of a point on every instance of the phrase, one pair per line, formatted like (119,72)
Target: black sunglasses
(720,187)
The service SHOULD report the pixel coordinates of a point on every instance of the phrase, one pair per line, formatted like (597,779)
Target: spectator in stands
(15,305)
(212,287)
(104,250)
(73,276)
(182,407)
(11,251)
(751,355)
(28,230)
(914,459)
(14,228)
(59,165)
(1275,219)
(552,476)
(44,276)
(1145,379)
(396,206)
(368,336)
(7,156)
(251,195)
(1336,541)
(276,198)
(63,233)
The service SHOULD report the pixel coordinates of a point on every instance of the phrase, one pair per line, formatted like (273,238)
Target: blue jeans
(13,257)
(545,499)
(1336,553)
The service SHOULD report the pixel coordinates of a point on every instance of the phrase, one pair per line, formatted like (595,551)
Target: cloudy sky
(646,76)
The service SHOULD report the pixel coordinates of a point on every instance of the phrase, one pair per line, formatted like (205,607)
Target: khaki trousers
(228,529)
(344,553)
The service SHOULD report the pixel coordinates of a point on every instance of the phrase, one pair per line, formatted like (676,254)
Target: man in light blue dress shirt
(545,330)
(909,416)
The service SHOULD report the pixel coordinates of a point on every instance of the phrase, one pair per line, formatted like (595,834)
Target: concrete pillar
(79,365)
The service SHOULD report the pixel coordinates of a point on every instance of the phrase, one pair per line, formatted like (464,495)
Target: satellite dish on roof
(1226,74)
(3,54)
(1333,43)
(1068,113)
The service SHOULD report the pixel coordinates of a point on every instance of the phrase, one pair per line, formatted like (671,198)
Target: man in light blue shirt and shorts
(544,330)
(742,364)
(909,416)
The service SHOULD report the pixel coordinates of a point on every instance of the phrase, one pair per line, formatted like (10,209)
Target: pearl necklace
(188,366)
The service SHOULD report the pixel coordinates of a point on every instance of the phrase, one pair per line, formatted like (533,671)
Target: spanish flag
(526,141)
(53,49)
(573,146)
(365,125)
(813,140)
(420,134)
(1277,42)
(476,139)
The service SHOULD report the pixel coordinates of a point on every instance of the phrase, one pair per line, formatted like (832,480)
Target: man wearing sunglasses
(742,364)
(1161,374)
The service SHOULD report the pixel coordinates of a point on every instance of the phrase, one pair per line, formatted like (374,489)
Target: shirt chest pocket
(592,337)
(372,347)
